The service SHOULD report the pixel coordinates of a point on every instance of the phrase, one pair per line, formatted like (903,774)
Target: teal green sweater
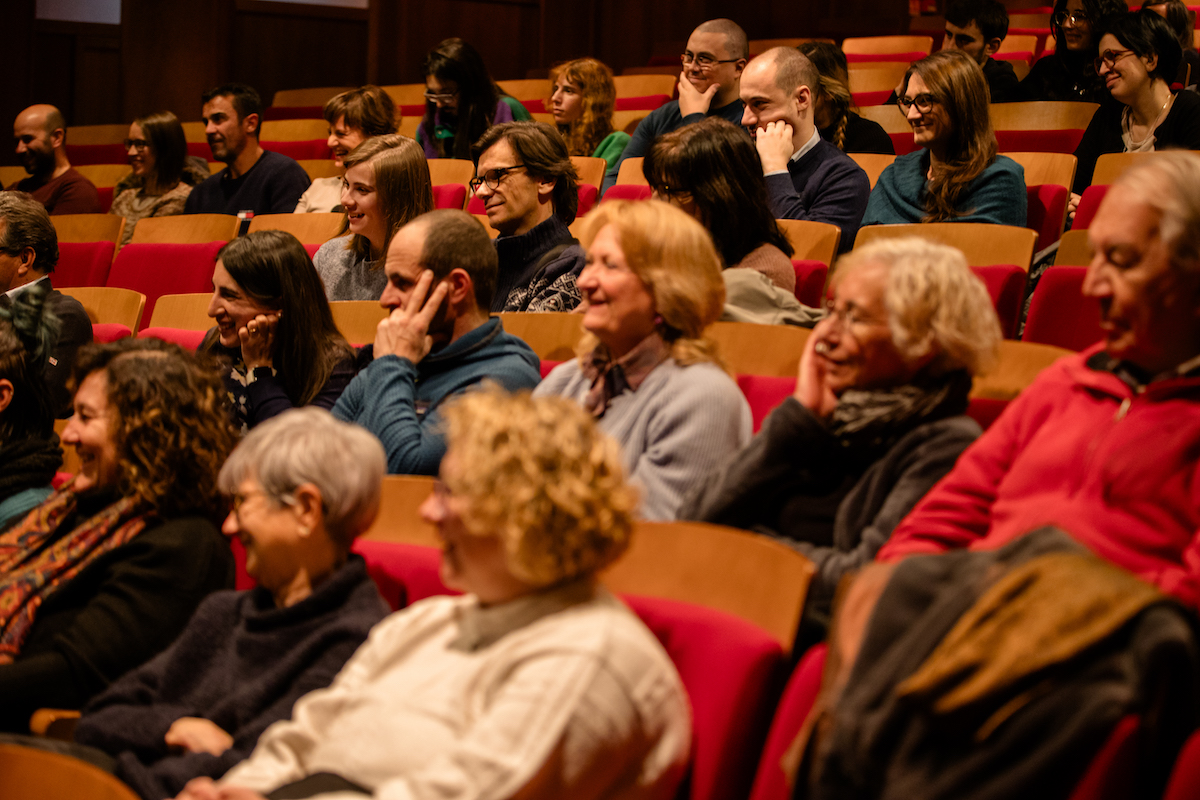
(996,196)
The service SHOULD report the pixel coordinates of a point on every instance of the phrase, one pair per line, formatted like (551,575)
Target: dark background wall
(163,55)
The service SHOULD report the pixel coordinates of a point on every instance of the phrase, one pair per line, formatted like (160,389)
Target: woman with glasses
(877,417)
(386,184)
(957,175)
(461,101)
(646,370)
(1139,57)
(304,486)
(582,100)
(1069,73)
(157,150)
(833,105)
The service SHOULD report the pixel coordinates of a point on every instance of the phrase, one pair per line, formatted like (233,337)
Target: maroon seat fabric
(312,249)
(1053,141)
(295,112)
(106,332)
(200,150)
(872,98)
(158,269)
(627,191)
(414,110)
(105,193)
(810,281)
(1047,209)
(404,573)
(794,706)
(1089,202)
(1185,779)
(309,149)
(858,58)
(83,264)
(1059,314)
(188,340)
(85,154)
(903,143)
(449,195)
(1006,286)
(764,393)
(1112,775)
(645,103)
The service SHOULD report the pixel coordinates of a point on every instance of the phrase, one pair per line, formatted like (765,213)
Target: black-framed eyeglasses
(492,177)
(1109,58)
(1074,17)
(443,97)
(923,102)
(137,144)
(704,61)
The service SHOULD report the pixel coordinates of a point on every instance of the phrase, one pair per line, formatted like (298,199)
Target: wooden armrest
(54,723)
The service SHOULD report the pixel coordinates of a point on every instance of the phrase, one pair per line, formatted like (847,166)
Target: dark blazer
(74,332)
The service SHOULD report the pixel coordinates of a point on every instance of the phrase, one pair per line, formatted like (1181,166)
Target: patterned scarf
(875,420)
(610,377)
(34,560)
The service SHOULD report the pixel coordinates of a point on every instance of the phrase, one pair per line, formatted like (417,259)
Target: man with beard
(254,181)
(41,135)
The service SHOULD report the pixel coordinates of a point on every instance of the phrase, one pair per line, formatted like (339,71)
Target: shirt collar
(809,145)
(481,626)
(11,293)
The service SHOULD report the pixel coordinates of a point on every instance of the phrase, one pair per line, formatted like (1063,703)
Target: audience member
(645,369)
(529,187)
(1139,57)
(710,170)
(833,105)
(254,180)
(353,117)
(1102,444)
(156,149)
(582,100)
(978,28)
(438,340)
(28,254)
(713,61)
(106,572)
(956,176)
(1069,73)
(878,415)
(807,177)
(41,134)
(386,184)
(29,451)
(1180,19)
(461,101)
(303,486)
(275,328)
(537,683)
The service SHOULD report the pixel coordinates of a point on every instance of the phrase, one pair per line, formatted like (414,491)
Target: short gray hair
(26,224)
(308,445)
(1169,182)
(934,302)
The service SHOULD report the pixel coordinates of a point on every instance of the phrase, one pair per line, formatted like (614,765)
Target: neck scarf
(610,377)
(876,420)
(35,560)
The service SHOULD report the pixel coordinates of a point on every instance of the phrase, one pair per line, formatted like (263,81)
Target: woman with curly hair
(833,105)
(275,329)
(582,99)
(107,570)
(957,175)
(535,683)
(29,451)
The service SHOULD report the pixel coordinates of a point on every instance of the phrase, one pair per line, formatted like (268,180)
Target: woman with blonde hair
(582,100)
(386,185)
(834,111)
(877,417)
(645,369)
(957,175)
(536,682)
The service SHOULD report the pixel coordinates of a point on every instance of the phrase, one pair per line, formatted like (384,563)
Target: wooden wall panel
(16,20)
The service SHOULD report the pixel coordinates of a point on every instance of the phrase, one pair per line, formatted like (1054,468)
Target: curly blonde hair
(597,93)
(542,476)
(934,303)
(674,257)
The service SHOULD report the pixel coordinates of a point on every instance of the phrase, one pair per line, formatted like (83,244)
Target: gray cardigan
(680,424)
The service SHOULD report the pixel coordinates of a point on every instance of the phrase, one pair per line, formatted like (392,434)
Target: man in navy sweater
(713,61)
(807,177)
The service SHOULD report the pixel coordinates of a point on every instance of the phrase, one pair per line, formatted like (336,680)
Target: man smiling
(712,63)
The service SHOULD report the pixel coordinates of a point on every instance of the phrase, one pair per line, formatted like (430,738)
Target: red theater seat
(903,143)
(1047,204)
(449,195)
(1038,141)
(187,339)
(627,191)
(794,706)
(87,154)
(647,103)
(1089,203)
(83,264)
(1059,314)
(105,332)
(105,193)
(404,573)
(1006,286)
(158,269)
(859,58)
(764,393)
(294,112)
(810,281)
(310,149)
(1185,779)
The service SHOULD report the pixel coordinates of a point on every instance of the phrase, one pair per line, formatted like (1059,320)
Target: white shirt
(799,154)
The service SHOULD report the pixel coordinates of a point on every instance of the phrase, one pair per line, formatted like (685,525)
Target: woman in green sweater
(582,101)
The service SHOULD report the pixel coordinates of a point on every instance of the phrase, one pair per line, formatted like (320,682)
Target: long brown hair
(598,96)
(957,84)
(830,62)
(402,184)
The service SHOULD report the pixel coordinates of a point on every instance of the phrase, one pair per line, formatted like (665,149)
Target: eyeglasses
(1109,58)
(849,318)
(923,102)
(492,178)
(1074,17)
(440,98)
(705,61)
(137,144)
(665,192)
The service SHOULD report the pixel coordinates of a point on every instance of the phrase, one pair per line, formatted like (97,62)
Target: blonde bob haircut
(674,257)
(934,303)
(402,185)
(1169,183)
(539,473)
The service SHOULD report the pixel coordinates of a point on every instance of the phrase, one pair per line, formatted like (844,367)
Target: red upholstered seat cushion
(794,706)
(405,573)
(1059,314)
(764,393)
(810,280)
(645,103)
(309,149)
(627,191)
(1006,286)
(872,98)
(200,150)
(295,112)
(1112,773)
(449,195)
(105,193)
(189,340)
(856,58)
(1055,141)
(1185,779)
(1089,202)
(83,264)
(903,143)
(158,269)
(84,154)
(109,332)
(1047,210)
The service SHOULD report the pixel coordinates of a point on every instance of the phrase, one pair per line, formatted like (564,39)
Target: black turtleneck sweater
(538,269)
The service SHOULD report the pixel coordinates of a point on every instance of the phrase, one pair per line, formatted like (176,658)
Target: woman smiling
(1068,73)
(156,149)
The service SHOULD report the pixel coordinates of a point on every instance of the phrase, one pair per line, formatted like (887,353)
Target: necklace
(1137,144)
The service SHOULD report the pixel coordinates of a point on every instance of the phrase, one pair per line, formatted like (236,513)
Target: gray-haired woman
(303,485)
(877,417)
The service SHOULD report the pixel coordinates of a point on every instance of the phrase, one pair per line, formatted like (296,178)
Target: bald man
(41,135)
